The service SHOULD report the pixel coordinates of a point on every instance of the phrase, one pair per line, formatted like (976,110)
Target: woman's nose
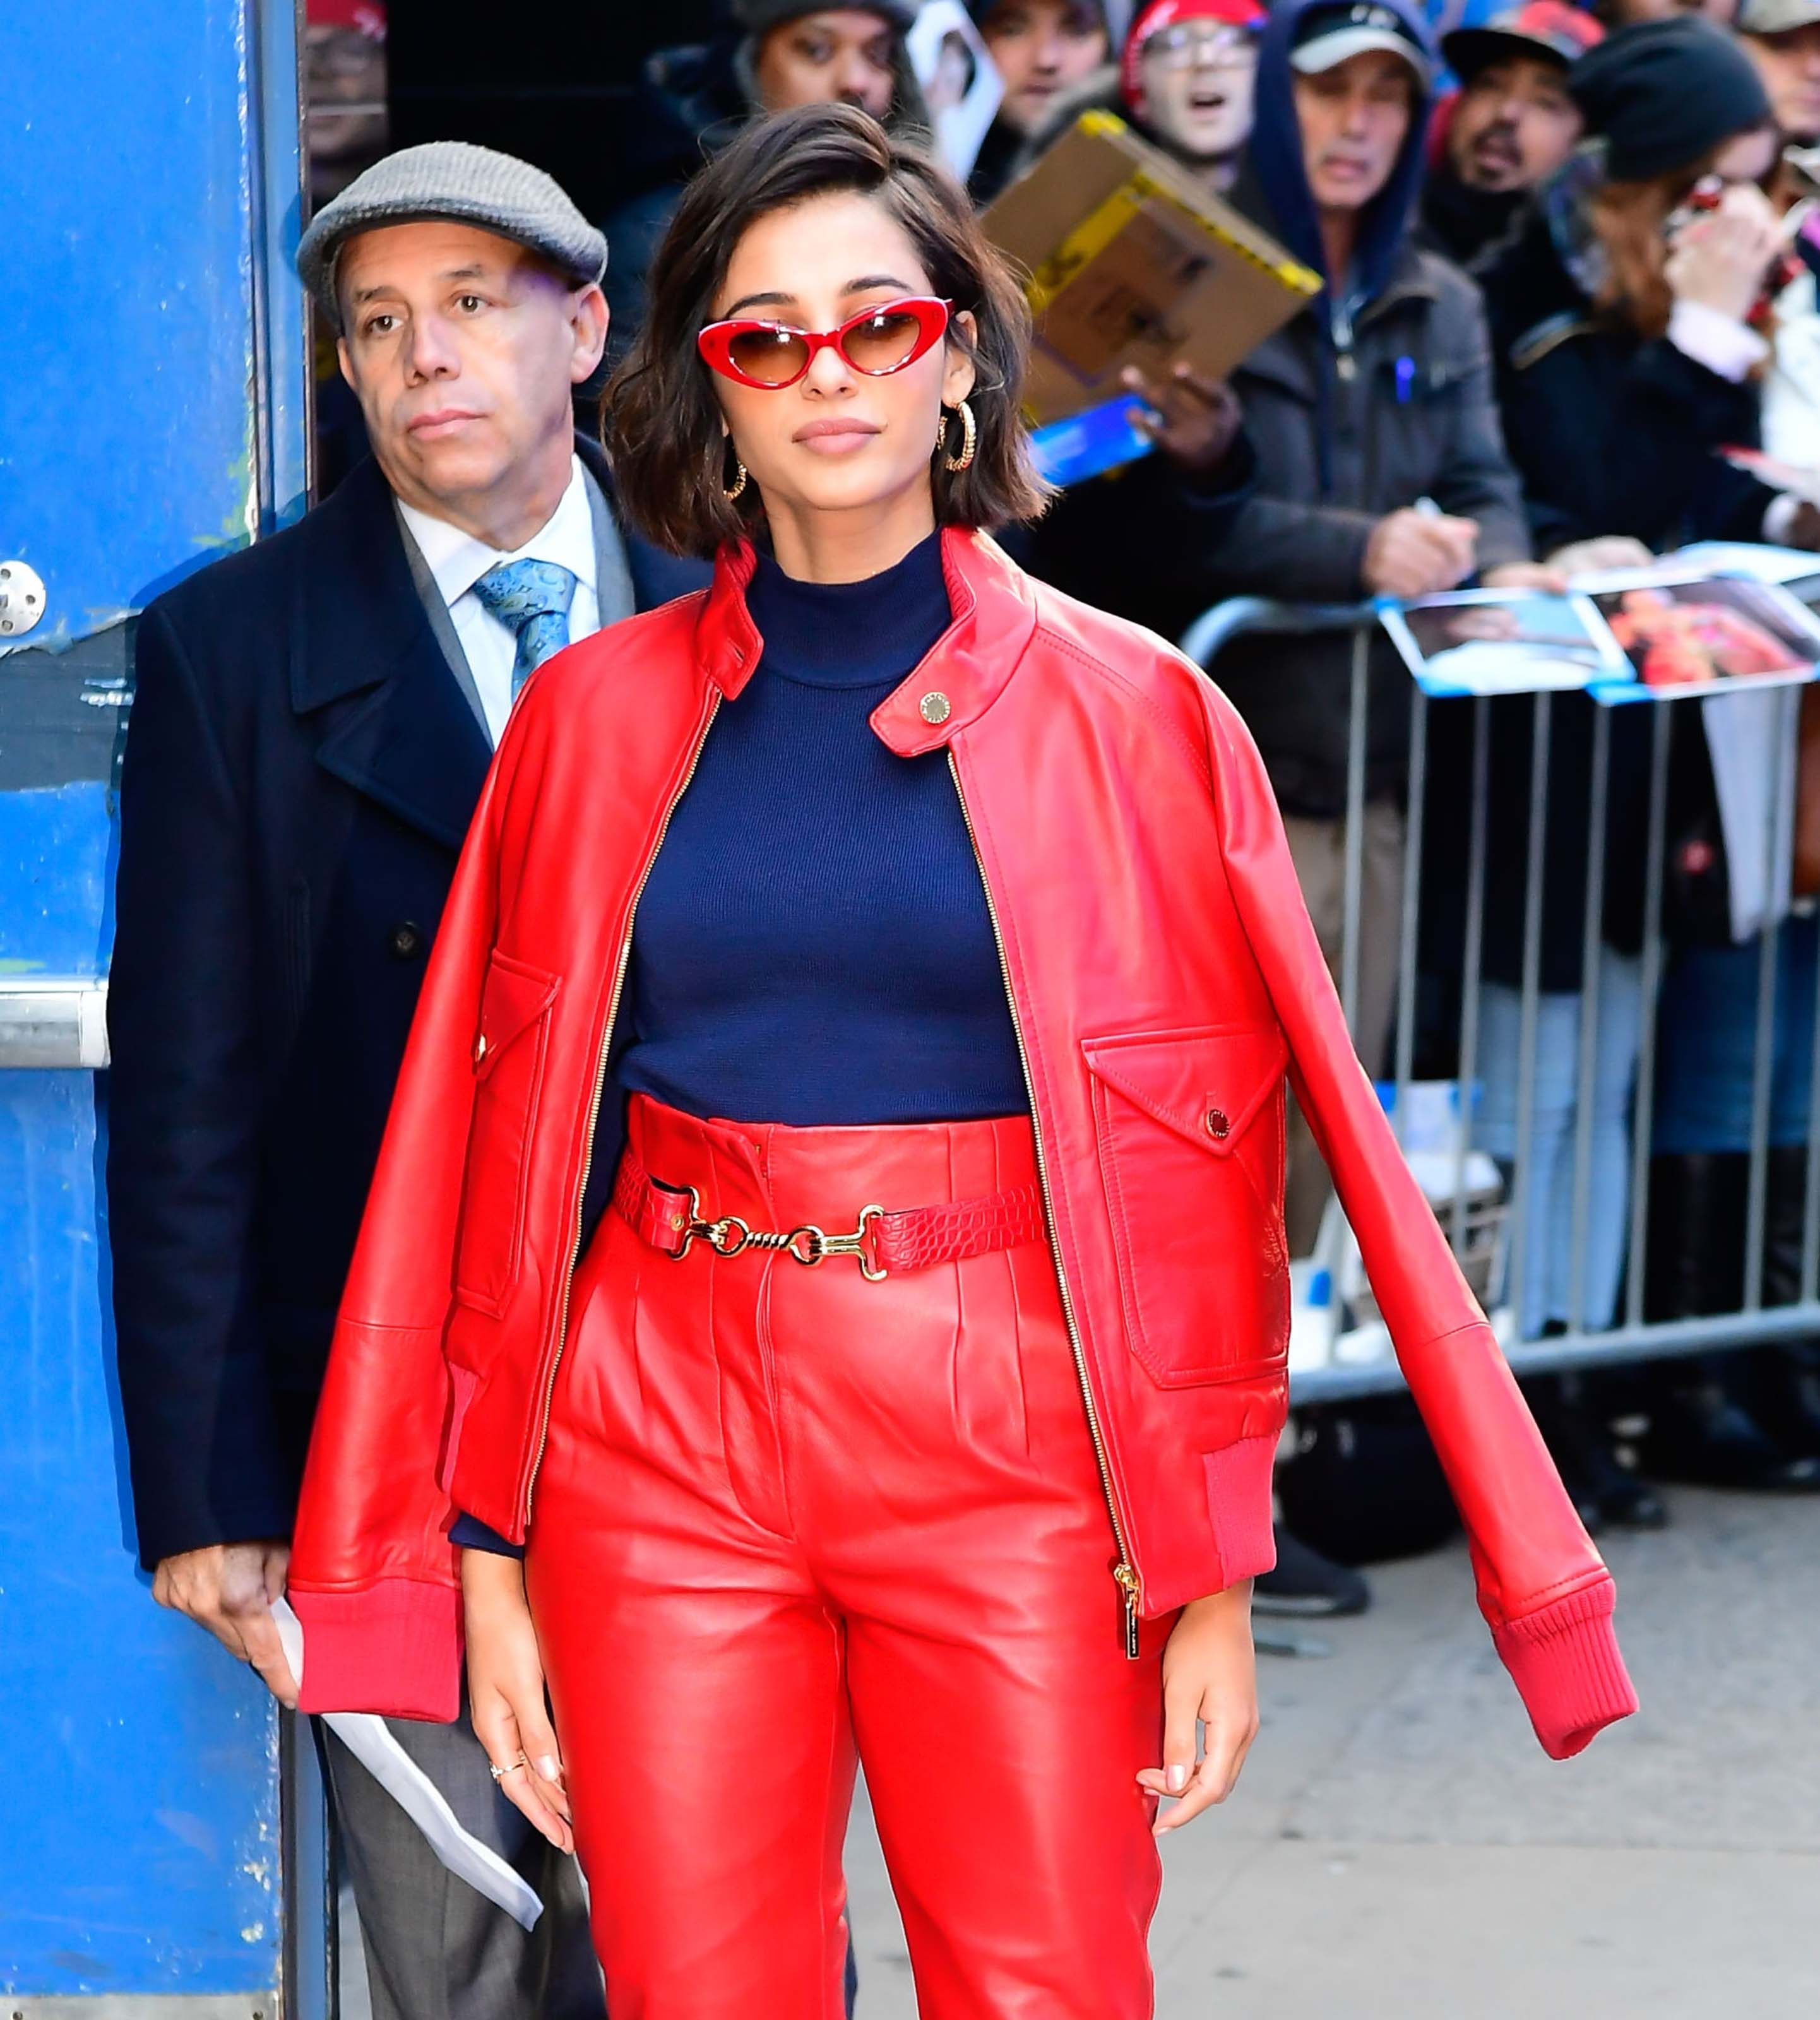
(829,372)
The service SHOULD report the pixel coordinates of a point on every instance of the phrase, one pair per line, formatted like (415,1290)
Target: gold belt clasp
(808,1244)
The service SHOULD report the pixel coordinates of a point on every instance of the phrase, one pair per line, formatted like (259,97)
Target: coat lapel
(392,721)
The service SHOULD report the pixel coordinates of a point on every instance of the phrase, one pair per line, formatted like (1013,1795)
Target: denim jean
(1706,1043)
(1546,1290)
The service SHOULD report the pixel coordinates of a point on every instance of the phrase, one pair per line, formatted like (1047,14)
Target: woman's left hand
(1209,1674)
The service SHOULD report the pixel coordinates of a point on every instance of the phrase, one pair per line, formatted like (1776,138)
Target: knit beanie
(759,17)
(1663,93)
(1162,14)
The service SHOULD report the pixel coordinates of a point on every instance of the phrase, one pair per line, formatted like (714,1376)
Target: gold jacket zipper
(1125,1574)
(595,1107)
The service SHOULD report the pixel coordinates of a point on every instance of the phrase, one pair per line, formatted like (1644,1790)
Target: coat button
(934,706)
(1217,1122)
(406,941)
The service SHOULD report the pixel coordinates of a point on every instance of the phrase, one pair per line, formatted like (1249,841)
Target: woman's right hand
(1720,260)
(505,1689)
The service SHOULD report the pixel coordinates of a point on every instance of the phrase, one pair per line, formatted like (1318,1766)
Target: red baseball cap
(1161,14)
(368,15)
(1549,28)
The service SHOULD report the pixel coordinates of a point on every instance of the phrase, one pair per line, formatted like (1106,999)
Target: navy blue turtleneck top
(813,945)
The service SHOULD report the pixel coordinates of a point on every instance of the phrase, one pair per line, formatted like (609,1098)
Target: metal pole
(1592,941)
(1810,1199)
(1778,841)
(1530,1010)
(1407,937)
(1355,843)
(1652,971)
(1470,958)
(1570,1351)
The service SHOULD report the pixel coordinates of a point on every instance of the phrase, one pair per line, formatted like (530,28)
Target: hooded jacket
(1378,393)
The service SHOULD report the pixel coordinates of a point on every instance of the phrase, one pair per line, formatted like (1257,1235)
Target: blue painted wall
(139,1823)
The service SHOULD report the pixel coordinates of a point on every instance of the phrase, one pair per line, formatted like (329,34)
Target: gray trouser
(435,1949)
(1318,849)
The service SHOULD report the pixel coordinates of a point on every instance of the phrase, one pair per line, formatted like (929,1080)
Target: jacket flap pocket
(1207,1085)
(513,996)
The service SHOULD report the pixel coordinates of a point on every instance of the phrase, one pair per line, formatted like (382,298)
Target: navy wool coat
(300,771)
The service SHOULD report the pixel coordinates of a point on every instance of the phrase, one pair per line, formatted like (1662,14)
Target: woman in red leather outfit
(916,954)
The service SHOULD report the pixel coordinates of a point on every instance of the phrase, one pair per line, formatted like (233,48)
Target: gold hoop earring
(737,489)
(969,438)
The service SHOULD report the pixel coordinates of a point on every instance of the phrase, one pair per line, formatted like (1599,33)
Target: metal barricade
(1630,1336)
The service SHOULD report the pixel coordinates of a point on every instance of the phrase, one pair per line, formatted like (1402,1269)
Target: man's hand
(1195,420)
(1526,575)
(229,1588)
(1413,553)
(1604,550)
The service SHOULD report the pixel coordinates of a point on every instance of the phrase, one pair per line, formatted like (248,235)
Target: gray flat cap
(457,180)
(1776,17)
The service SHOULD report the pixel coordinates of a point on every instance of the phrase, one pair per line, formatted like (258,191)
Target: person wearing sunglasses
(878,974)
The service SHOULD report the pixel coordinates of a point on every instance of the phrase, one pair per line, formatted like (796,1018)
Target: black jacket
(1143,542)
(300,771)
(1335,454)
(1613,433)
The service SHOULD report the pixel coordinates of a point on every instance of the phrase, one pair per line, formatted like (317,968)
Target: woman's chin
(847,483)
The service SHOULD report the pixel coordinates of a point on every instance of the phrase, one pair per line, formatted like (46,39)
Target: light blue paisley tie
(531,600)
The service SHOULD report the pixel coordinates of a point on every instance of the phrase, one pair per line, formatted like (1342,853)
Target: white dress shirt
(456,560)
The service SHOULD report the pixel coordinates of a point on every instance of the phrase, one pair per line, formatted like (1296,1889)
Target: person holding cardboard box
(1376,398)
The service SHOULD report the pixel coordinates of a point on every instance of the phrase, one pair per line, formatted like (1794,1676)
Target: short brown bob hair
(660,418)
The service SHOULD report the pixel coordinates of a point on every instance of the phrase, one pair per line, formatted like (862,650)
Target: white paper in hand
(368,1739)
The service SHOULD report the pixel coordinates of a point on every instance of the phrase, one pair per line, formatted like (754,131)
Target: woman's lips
(831,438)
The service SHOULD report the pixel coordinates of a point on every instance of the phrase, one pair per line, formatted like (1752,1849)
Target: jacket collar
(958,680)
(394,722)
(361,616)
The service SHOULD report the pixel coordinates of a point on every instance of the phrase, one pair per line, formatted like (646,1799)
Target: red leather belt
(668,1218)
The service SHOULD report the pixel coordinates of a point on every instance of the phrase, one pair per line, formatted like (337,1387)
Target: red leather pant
(786,1515)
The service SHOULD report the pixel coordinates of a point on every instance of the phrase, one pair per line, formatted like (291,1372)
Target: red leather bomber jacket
(1165,980)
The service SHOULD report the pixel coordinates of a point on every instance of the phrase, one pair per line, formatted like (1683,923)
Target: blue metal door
(152,415)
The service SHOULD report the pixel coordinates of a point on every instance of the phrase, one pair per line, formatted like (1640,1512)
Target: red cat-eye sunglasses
(877,341)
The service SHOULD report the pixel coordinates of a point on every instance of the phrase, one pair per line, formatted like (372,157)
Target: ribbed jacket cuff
(1565,1662)
(393,1648)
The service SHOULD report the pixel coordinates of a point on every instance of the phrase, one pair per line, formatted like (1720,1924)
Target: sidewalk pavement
(1400,1848)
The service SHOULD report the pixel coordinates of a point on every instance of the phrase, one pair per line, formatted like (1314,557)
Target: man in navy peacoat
(313,719)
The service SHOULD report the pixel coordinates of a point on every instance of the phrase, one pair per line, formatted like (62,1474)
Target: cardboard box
(1130,261)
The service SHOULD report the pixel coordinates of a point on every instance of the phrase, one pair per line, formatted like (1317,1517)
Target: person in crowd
(696,97)
(1782,39)
(970,1482)
(313,721)
(1043,49)
(1184,82)
(344,83)
(1623,327)
(1137,540)
(1375,401)
(1749,1418)
(1510,126)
